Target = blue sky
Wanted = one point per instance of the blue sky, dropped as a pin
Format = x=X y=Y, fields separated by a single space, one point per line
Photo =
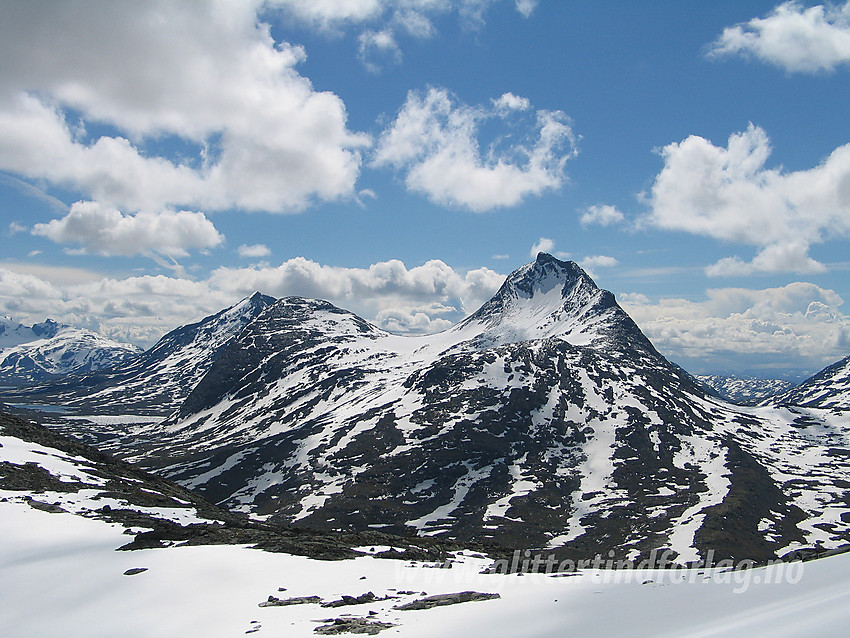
x=158 y=161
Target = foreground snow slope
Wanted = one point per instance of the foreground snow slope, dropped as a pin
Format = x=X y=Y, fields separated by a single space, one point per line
x=62 y=577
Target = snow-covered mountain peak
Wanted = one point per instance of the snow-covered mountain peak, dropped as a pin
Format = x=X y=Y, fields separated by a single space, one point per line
x=538 y=280
x=13 y=333
x=547 y=271
x=317 y=315
x=250 y=303
x=158 y=380
x=549 y=298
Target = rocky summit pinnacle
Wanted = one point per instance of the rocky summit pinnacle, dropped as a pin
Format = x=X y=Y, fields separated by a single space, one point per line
x=539 y=279
x=554 y=298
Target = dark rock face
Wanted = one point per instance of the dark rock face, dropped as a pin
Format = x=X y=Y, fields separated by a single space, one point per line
x=274 y=601
x=46 y=329
x=280 y=335
x=133 y=571
x=363 y=626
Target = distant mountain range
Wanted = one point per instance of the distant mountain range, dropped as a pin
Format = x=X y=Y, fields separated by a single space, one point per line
x=744 y=390
x=30 y=354
x=545 y=419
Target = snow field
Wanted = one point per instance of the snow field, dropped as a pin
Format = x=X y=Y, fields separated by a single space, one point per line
x=62 y=577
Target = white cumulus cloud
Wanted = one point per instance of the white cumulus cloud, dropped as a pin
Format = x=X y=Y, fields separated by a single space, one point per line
x=255 y=250
x=592 y=263
x=526 y=7
x=434 y=142
x=508 y=102
x=730 y=194
x=377 y=48
x=331 y=13
x=547 y=245
x=375 y=292
x=257 y=135
x=334 y=14
x=601 y=214
x=598 y=261
x=107 y=231
x=793 y=37
x=542 y=245
x=381 y=22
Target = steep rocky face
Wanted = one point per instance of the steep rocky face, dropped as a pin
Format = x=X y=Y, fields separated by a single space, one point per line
x=156 y=381
x=544 y=419
x=828 y=389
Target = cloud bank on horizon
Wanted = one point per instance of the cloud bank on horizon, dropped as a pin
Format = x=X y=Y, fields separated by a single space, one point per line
x=158 y=147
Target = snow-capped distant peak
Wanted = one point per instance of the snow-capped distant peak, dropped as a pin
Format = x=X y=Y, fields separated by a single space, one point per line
x=13 y=333
x=51 y=349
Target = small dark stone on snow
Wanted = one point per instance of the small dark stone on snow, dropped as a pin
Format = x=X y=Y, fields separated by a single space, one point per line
x=135 y=570
x=51 y=508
